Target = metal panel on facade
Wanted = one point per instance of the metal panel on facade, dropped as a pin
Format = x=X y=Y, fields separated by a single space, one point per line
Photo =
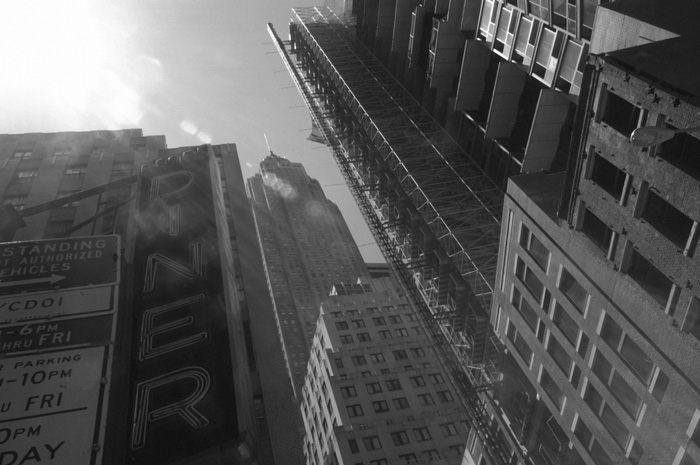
x=472 y=76
x=550 y=116
x=503 y=113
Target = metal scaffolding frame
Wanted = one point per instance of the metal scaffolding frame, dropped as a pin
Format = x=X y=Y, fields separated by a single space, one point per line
x=434 y=213
x=460 y=203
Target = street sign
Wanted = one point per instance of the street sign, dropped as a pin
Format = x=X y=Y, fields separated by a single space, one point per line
x=49 y=406
x=52 y=304
x=56 y=264
x=55 y=334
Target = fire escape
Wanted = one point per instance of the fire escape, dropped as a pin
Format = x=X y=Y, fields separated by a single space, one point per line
x=433 y=212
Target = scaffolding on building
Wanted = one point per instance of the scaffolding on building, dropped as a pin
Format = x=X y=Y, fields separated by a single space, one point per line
x=433 y=211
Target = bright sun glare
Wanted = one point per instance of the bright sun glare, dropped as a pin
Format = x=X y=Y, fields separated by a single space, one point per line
x=62 y=57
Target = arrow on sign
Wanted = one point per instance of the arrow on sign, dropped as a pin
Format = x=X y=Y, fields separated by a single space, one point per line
x=54 y=278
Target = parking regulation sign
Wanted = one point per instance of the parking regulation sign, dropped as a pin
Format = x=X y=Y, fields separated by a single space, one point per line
x=57 y=264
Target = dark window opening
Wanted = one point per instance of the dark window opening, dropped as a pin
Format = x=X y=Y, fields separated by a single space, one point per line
x=667 y=219
x=608 y=176
x=596 y=230
x=620 y=114
x=653 y=281
x=683 y=151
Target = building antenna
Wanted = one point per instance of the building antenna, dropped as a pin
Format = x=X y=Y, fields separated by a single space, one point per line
x=268 y=144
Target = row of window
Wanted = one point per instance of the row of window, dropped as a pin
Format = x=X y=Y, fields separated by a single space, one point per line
x=400 y=403
x=392 y=385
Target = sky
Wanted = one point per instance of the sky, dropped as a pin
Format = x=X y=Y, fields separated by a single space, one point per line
x=196 y=71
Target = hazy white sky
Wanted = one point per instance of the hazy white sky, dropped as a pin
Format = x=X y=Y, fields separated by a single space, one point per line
x=197 y=71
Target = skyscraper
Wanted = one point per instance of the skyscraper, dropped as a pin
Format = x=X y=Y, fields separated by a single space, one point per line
x=307 y=247
x=375 y=388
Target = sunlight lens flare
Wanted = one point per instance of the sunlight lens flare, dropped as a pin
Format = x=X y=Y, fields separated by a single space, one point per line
x=65 y=59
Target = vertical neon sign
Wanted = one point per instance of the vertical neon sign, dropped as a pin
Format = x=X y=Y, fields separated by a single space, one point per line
x=182 y=390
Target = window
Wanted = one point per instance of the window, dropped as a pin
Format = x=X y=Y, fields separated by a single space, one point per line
x=573 y=290
x=417 y=352
x=620 y=114
x=565 y=323
x=431 y=455
x=346 y=339
x=16 y=201
x=380 y=406
x=385 y=334
x=448 y=429
x=640 y=363
x=400 y=403
x=559 y=354
x=58 y=228
x=355 y=410
x=528 y=278
x=535 y=247
x=401 y=332
x=62 y=153
x=525 y=309
x=445 y=396
x=394 y=319
x=400 y=438
x=520 y=344
x=341 y=325
x=667 y=219
x=121 y=169
x=25 y=176
x=400 y=354
x=372 y=443
x=359 y=360
x=416 y=330
x=378 y=462
x=76 y=170
x=682 y=151
x=339 y=363
x=417 y=381
x=608 y=176
x=358 y=323
x=436 y=378
x=610 y=420
x=408 y=458
x=552 y=389
x=393 y=385
x=363 y=337
x=623 y=392
x=539 y=8
x=22 y=154
x=649 y=278
x=374 y=388
x=421 y=434
x=376 y=358
x=583 y=433
x=348 y=391
x=691 y=324
x=597 y=231
x=426 y=399
x=379 y=321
